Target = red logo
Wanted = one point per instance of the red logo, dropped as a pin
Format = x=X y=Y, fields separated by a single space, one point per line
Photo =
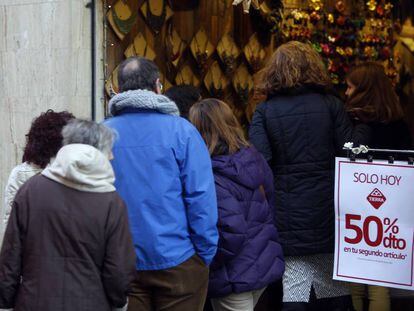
x=376 y=198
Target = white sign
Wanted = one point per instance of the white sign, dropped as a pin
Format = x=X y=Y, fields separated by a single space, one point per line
x=374 y=227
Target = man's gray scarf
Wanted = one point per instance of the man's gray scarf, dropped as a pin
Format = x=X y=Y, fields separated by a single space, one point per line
x=142 y=99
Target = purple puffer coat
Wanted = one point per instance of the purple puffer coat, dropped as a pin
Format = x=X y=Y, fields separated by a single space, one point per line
x=249 y=255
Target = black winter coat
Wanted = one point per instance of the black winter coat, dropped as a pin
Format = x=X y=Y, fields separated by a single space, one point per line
x=300 y=134
x=393 y=135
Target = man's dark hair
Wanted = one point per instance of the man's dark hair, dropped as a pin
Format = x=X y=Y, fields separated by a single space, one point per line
x=137 y=73
x=184 y=96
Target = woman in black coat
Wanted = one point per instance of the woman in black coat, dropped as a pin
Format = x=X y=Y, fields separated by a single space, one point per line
x=373 y=101
x=300 y=129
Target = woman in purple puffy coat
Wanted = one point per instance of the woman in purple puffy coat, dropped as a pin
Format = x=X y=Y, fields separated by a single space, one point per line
x=249 y=256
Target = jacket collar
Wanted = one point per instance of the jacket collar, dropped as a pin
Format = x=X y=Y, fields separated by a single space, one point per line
x=304 y=89
x=142 y=100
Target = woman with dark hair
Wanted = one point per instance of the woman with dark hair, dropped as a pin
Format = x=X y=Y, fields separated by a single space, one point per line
x=184 y=96
x=249 y=256
x=42 y=143
x=299 y=129
x=372 y=100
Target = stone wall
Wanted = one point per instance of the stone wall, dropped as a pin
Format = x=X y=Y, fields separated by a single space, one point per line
x=45 y=63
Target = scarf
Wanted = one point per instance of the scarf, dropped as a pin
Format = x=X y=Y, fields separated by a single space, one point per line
x=142 y=99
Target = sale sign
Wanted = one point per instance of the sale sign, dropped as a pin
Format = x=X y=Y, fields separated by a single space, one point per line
x=374 y=228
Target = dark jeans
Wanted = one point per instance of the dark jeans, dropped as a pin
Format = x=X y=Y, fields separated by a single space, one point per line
x=181 y=288
x=342 y=303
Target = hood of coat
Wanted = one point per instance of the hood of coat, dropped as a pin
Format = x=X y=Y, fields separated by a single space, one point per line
x=82 y=167
x=243 y=167
x=144 y=100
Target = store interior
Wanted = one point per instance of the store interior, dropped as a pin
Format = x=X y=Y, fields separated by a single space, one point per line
x=221 y=46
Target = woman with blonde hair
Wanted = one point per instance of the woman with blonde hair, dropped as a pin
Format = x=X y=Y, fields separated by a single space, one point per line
x=249 y=256
x=300 y=129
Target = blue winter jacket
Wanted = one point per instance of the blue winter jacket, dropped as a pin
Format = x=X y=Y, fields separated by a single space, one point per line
x=163 y=172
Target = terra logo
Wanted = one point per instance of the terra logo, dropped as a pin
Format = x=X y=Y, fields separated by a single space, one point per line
x=376 y=198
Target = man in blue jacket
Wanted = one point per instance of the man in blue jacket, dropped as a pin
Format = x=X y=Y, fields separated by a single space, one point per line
x=163 y=172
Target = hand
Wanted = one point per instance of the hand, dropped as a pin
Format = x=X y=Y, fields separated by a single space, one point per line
x=124 y=308
x=246 y=4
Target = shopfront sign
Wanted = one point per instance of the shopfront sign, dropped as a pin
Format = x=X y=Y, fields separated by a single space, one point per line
x=374 y=227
